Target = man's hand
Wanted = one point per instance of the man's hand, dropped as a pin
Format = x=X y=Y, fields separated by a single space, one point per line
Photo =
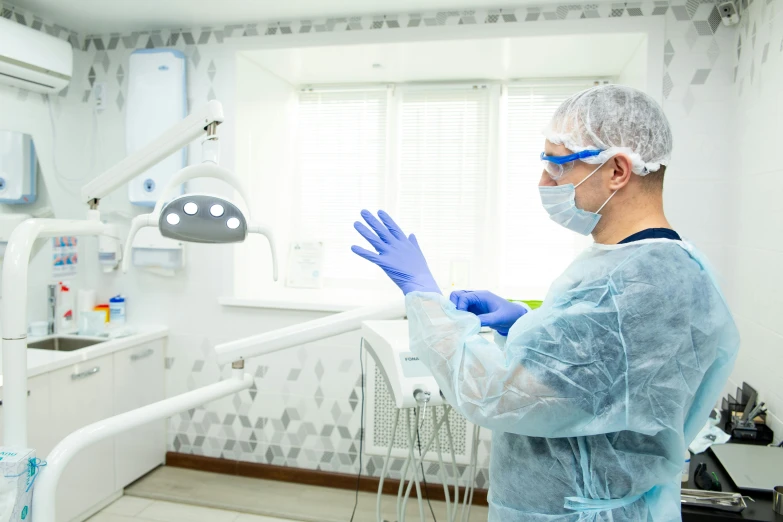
x=398 y=255
x=494 y=311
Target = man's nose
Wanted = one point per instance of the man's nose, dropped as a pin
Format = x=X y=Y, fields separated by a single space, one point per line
x=546 y=181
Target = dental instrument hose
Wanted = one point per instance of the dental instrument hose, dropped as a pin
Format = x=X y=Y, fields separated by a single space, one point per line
x=423 y=397
x=361 y=435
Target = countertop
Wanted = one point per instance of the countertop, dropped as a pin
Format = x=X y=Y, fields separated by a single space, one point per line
x=42 y=361
x=758 y=511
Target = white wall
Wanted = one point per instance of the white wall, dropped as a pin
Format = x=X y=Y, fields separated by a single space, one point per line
x=754 y=233
x=635 y=71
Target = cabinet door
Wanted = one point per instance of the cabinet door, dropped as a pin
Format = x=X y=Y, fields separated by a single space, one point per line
x=39 y=429
x=81 y=395
x=139 y=381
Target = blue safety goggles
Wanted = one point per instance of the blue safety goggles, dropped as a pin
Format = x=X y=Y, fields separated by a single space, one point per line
x=559 y=166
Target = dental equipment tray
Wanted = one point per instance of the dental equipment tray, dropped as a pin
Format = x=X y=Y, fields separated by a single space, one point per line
x=731 y=502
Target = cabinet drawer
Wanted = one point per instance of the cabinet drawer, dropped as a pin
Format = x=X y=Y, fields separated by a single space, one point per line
x=39 y=429
x=80 y=396
x=139 y=381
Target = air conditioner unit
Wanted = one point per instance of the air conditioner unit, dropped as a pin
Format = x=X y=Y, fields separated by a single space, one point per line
x=33 y=60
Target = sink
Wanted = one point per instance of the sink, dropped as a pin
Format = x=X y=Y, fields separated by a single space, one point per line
x=63 y=344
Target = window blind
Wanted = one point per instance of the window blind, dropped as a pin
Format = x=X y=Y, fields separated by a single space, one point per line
x=535 y=250
x=442 y=173
x=341 y=156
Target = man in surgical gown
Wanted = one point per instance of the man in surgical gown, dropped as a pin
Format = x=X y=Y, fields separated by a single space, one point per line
x=593 y=398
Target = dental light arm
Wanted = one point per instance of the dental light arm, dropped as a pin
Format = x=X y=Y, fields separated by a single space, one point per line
x=255 y=228
x=200 y=121
x=299 y=334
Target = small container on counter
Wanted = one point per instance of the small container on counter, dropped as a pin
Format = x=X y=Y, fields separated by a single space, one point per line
x=103 y=308
x=117 y=310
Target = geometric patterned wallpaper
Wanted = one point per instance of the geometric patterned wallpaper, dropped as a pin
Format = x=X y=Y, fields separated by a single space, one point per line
x=759 y=35
x=314 y=422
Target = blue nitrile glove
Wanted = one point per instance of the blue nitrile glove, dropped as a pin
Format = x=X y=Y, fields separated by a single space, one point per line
x=398 y=255
x=494 y=311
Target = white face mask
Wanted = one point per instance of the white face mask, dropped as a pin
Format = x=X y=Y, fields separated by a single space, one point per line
x=560 y=203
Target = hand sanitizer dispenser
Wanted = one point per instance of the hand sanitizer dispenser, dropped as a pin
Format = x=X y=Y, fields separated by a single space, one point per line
x=18 y=168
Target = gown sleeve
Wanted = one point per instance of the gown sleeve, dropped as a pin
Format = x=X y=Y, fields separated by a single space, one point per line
x=549 y=379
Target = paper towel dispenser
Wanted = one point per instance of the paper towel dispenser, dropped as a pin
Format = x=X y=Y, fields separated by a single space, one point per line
x=18 y=168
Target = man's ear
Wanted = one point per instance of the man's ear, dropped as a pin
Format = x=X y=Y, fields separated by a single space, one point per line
x=622 y=169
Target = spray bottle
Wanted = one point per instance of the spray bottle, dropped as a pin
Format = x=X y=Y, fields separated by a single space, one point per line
x=66 y=312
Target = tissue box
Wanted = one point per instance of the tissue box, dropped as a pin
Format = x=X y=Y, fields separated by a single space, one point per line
x=15 y=474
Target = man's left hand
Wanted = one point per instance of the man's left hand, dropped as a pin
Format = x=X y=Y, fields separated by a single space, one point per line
x=397 y=254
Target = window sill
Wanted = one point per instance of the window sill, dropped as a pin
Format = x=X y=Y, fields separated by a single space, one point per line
x=311 y=300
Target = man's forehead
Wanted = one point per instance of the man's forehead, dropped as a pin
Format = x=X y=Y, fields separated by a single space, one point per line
x=555 y=150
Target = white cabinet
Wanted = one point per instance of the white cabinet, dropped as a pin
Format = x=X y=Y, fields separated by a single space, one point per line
x=39 y=431
x=62 y=401
x=139 y=381
x=81 y=395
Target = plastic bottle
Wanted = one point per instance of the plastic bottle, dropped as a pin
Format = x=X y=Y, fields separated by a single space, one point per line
x=117 y=310
x=66 y=314
x=686 y=467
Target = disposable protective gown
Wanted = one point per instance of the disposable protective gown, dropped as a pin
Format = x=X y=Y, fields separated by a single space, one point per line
x=593 y=398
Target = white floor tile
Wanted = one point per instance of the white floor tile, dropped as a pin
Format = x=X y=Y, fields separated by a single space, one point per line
x=128 y=506
x=170 y=512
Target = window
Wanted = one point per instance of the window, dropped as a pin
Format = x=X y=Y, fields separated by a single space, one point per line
x=443 y=165
x=456 y=164
x=341 y=162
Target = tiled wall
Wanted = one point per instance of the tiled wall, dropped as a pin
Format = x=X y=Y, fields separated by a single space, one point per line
x=302 y=398
x=755 y=250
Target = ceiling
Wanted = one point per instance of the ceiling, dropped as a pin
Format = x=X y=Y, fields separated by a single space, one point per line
x=486 y=59
x=103 y=16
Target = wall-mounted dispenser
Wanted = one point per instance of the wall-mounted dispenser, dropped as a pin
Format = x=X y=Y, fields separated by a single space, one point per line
x=157 y=100
x=156 y=253
x=18 y=168
x=110 y=249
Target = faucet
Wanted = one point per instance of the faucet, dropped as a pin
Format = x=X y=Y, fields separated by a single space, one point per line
x=52 y=313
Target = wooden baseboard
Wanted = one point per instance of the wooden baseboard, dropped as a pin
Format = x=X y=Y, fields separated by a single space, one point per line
x=305 y=476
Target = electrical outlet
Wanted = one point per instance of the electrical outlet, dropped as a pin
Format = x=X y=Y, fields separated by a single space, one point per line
x=100 y=93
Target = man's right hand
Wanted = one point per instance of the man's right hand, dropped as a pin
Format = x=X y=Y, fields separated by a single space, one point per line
x=493 y=311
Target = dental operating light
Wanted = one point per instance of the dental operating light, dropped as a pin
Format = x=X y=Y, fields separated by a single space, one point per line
x=197 y=224
x=202 y=218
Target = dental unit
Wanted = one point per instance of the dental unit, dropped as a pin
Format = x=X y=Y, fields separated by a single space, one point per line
x=199 y=218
